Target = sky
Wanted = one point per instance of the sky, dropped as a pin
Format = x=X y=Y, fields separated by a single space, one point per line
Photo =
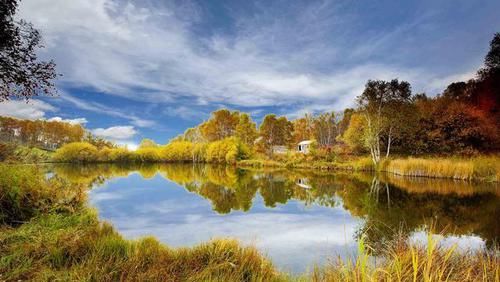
x=152 y=68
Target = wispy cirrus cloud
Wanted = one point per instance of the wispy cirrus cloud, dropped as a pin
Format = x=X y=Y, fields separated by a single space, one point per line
x=115 y=132
x=119 y=48
x=102 y=109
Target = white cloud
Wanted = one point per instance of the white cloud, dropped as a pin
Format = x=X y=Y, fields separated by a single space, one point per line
x=115 y=132
x=34 y=109
x=440 y=83
x=70 y=121
x=269 y=60
x=118 y=48
x=128 y=144
x=102 y=109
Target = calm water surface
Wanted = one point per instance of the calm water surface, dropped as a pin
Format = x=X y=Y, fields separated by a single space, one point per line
x=297 y=218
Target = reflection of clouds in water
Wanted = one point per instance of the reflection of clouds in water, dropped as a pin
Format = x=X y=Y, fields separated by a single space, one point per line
x=463 y=242
x=292 y=236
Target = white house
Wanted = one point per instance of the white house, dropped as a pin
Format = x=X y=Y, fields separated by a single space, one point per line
x=304 y=146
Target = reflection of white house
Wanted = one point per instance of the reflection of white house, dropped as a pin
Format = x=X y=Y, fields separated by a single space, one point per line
x=303 y=146
x=304 y=183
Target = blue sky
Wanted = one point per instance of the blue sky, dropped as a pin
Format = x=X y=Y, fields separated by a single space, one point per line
x=136 y=69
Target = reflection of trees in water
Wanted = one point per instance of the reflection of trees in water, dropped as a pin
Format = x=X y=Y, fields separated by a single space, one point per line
x=390 y=210
x=388 y=204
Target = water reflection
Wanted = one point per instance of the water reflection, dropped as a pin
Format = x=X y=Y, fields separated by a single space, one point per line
x=296 y=217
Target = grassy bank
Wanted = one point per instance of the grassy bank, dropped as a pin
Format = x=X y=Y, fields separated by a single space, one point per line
x=47 y=233
x=475 y=168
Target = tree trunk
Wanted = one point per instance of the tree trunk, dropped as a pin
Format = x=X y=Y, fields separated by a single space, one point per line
x=389 y=140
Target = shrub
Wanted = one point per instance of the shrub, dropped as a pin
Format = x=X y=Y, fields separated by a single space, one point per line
x=80 y=152
x=228 y=150
x=177 y=151
x=119 y=155
x=148 y=154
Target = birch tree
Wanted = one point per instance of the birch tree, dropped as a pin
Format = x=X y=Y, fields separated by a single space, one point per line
x=382 y=104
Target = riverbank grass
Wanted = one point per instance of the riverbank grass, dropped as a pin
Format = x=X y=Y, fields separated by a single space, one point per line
x=78 y=247
x=402 y=261
x=477 y=168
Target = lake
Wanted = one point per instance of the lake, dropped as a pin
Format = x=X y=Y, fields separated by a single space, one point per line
x=297 y=218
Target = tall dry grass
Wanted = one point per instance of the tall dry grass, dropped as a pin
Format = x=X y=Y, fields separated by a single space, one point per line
x=478 y=168
x=401 y=261
x=78 y=247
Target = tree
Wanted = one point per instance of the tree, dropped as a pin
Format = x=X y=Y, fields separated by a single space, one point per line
x=492 y=60
x=355 y=133
x=275 y=131
x=325 y=129
x=246 y=129
x=222 y=124
x=303 y=128
x=382 y=104
x=147 y=143
x=22 y=75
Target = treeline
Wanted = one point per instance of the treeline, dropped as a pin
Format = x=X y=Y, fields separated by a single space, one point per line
x=463 y=119
x=39 y=133
x=228 y=150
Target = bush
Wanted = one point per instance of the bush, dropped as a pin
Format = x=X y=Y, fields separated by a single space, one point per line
x=181 y=151
x=80 y=152
x=148 y=154
x=229 y=150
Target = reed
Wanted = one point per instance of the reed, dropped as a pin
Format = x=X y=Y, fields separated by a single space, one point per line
x=78 y=247
x=479 y=168
x=402 y=261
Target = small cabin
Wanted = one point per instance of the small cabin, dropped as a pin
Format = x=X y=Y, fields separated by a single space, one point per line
x=279 y=149
x=304 y=146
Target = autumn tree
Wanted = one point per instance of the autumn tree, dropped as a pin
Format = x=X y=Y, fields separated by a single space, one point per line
x=22 y=75
x=325 y=129
x=222 y=124
x=147 y=143
x=303 y=128
x=382 y=104
x=354 y=134
x=275 y=131
x=246 y=130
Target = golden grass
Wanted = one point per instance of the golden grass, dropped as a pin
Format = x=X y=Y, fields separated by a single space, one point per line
x=480 y=168
x=405 y=262
x=79 y=248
